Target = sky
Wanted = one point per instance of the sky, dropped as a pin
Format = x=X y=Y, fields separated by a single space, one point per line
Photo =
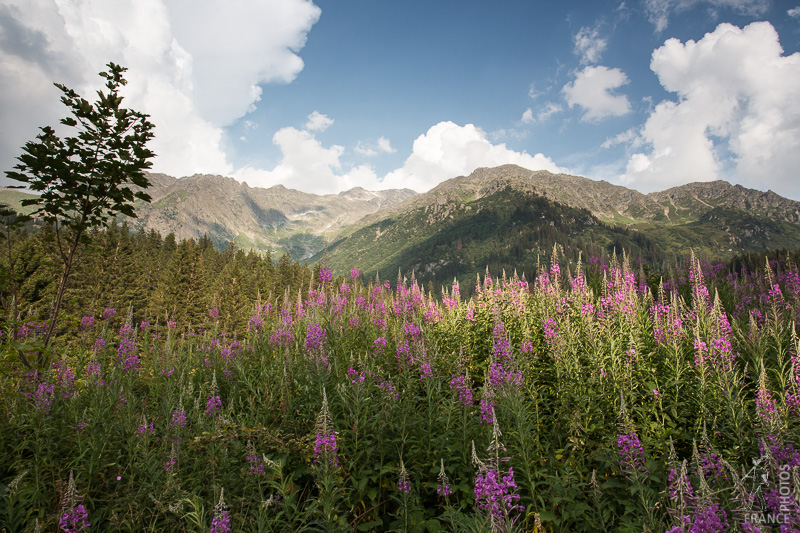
x=328 y=95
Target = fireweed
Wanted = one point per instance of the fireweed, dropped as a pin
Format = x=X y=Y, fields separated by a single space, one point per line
x=255 y=461
x=127 y=353
x=679 y=493
x=325 y=447
x=178 y=418
x=495 y=488
x=144 y=428
x=708 y=515
x=221 y=521
x=327 y=467
x=792 y=395
x=403 y=480
x=632 y=463
x=87 y=323
x=700 y=335
x=315 y=345
x=172 y=460
x=631 y=453
x=487 y=407
x=462 y=385
x=443 y=487
x=214 y=402
x=74 y=516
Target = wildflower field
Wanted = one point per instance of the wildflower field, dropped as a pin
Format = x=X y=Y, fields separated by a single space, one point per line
x=591 y=399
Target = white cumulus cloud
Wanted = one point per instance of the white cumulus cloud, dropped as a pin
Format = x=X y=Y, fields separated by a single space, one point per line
x=593 y=89
x=628 y=136
x=736 y=91
x=237 y=44
x=549 y=109
x=309 y=166
x=445 y=151
x=318 y=122
x=194 y=66
x=448 y=150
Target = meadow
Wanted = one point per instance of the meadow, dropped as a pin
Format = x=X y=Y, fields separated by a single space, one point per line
x=591 y=398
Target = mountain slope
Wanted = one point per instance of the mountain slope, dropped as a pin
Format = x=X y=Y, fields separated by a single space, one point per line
x=510 y=217
x=693 y=200
x=277 y=219
x=402 y=229
x=502 y=229
x=610 y=203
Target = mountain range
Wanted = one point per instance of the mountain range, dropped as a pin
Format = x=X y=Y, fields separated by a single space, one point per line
x=278 y=219
x=502 y=217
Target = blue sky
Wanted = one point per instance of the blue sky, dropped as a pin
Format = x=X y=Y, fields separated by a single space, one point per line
x=328 y=95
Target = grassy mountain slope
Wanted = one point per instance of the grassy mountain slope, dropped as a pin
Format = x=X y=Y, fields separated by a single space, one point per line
x=502 y=230
x=612 y=203
x=14 y=197
x=509 y=217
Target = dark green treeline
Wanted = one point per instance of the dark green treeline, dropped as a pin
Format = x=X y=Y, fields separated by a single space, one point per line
x=158 y=278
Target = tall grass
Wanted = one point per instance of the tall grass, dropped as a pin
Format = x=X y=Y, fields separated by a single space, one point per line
x=588 y=400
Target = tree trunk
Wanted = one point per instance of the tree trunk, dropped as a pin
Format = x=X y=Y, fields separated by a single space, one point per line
x=60 y=294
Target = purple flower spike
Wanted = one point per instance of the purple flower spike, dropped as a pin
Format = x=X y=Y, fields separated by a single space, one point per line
x=256 y=462
x=325 y=274
x=221 y=523
x=403 y=481
x=178 y=418
x=74 y=520
x=487 y=409
x=74 y=516
x=711 y=519
x=87 y=322
x=494 y=492
x=631 y=453
x=443 y=488
x=464 y=387
x=213 y=406
x=325 y=447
